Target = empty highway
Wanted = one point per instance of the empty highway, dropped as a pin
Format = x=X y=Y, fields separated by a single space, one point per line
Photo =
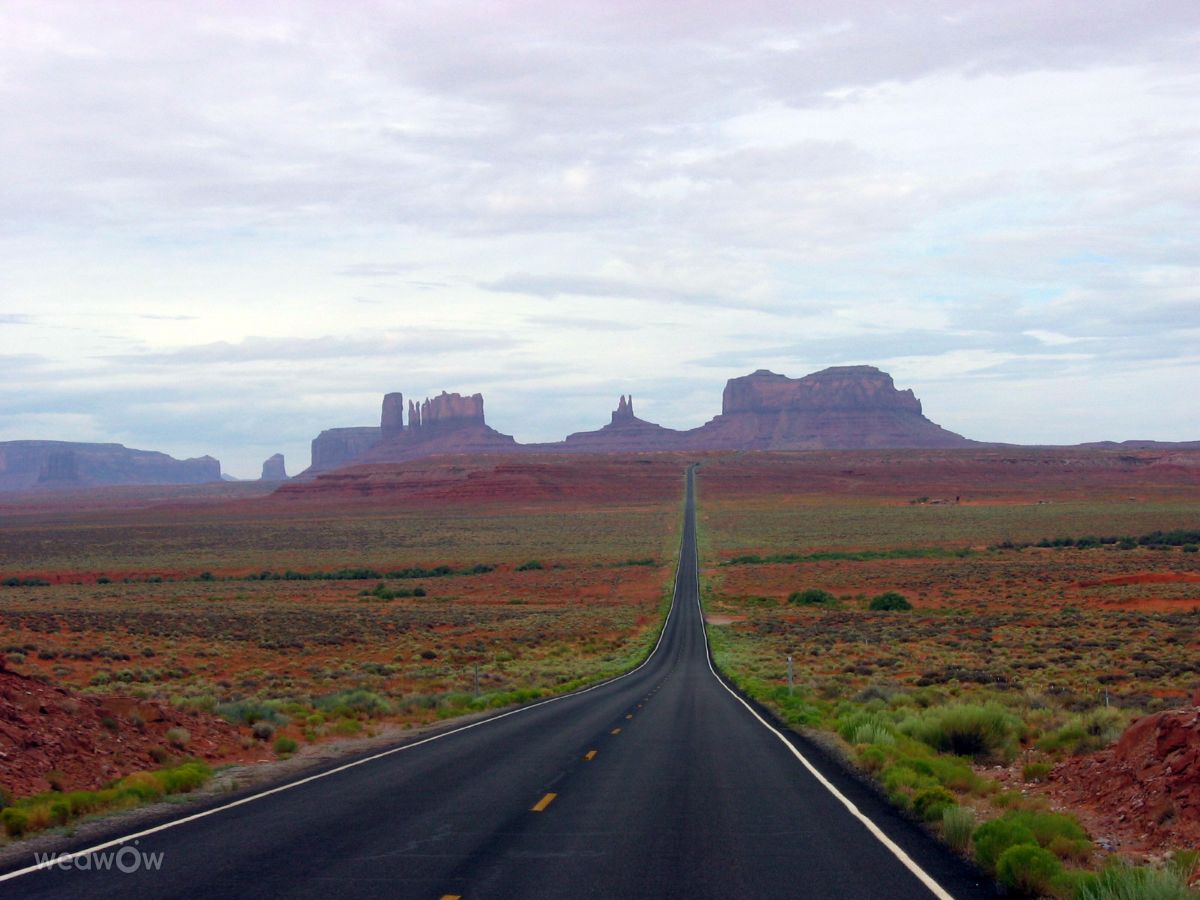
x=661 y=783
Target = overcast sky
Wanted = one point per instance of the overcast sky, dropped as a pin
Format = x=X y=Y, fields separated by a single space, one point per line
x=225 y=227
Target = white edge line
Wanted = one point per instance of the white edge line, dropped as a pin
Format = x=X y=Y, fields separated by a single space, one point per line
x=909 y=863
x=53 y=860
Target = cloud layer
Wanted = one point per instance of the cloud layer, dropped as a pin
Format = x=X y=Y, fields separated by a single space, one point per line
x=225 y=227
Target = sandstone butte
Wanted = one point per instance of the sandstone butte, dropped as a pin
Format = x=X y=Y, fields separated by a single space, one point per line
x=273 y=469
x=845 y=407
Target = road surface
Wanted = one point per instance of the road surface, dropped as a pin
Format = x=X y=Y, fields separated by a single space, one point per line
x=661 y=783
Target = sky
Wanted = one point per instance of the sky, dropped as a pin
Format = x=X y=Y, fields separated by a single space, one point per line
x=225 y=227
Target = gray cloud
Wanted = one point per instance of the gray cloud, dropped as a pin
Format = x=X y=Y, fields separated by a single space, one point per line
x=544 y=199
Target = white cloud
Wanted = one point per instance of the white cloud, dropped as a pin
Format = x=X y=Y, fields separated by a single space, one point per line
x=284 y=208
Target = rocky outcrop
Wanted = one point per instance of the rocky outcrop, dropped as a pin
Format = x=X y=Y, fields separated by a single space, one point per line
x=51 y=737
x=391 y=421
x=450 y=409
x=845 y=407
x=857 y=388
x=624 y=433
x=31 y=464
x=274 y=470
x=1149 y=780
x=447 y=423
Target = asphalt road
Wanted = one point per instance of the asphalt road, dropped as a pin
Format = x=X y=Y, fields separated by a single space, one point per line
x=661 y=783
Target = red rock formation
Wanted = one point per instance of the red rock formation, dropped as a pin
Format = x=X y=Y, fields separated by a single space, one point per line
x=623 y=434
x=851 y=407
x=624 y=410
x=855 y=388
x=336 y=447
x=450 y=408
x=92 y=740
x=274 y=470
x=1148 y=783
x=391 y=421
x=27 y=464
x=846 y=407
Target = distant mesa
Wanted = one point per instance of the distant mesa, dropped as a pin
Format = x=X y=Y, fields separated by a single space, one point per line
x=273 y=469
x=841 y=408
x=447 y=423
x=34 y=464
x=845 y=407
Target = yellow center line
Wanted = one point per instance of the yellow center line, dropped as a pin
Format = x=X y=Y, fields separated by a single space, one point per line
x=590 y=755
x=451 y=896
x=543 y=803
x=630 y=716
x=616 y=731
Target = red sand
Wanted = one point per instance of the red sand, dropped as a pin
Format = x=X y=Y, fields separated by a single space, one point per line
x=93 y=740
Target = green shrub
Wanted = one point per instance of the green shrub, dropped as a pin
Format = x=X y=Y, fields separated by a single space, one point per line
x=1057 y=833
x=891 y=601
x=811 y=597
x=178 y=737
x=1028 y=869
x=957 y=824
x=247 y=712
x=930 y=802
x=348 y=703
x=530 y=566
x=966 y=729
x=994 y=837
x=262 y=731
x=16 y=821
x=1036 y=771
x=1050 y=828
x=1123 y=882
x=1092 y=730
x=183 y=778
x=285 y=746
x=874 y=733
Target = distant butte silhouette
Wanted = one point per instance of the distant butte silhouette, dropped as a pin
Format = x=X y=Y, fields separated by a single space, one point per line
x=845 y=407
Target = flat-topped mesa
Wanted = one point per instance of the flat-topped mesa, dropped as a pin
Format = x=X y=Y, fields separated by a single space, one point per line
x=33 y=464
x=845 y=407
x=840 y=387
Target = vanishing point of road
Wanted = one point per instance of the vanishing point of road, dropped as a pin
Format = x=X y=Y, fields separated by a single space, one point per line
x=660 y=783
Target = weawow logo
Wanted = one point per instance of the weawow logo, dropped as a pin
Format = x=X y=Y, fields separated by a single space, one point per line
x=126 y=860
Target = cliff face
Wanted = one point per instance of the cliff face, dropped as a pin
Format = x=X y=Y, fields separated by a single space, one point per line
x=28 y=464
x=846 y=407
x=336 y=447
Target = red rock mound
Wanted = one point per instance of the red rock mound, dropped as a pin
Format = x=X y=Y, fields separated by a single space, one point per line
x=90 y=741
x=1147 y=786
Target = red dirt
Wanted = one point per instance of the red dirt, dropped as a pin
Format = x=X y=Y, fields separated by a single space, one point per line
x=93 y=740
x=1146 y=578
x=976 y=476
x=450 y=479
x=1146 y=788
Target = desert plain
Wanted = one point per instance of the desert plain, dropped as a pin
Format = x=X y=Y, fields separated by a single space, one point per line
x=1049 y=599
